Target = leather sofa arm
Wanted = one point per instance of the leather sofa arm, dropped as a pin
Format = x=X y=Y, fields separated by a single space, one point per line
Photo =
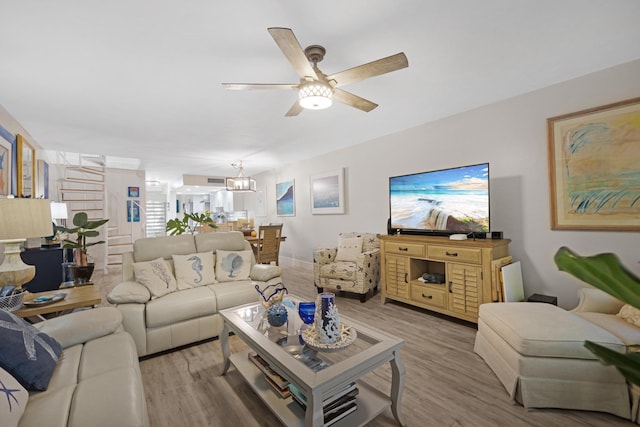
x=264 y=272
x=597 y=301
x=129 y=292
x=82 y=326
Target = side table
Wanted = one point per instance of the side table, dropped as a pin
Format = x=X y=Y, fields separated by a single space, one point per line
x=84 y=296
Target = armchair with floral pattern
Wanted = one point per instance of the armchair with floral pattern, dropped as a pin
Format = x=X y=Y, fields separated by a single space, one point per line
x=352 y=266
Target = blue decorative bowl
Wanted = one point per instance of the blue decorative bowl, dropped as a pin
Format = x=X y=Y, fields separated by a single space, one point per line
x=277 y=315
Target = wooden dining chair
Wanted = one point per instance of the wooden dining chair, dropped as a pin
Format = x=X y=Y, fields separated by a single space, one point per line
x=268 y=248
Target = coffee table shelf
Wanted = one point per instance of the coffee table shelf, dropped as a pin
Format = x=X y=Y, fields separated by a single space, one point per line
x=371 y=402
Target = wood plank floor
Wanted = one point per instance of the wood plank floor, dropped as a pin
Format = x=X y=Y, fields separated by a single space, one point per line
x=447 y=384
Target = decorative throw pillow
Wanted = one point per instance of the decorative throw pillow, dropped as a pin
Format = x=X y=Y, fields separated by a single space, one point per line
x=233 y=265
x=349 y=248
x=156 y=276
x=13 y=399
x=194 y=270
x=28 y=355
x=630 y=314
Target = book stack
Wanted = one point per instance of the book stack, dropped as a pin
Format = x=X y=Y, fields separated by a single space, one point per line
x=335 y=407
x=275 y=380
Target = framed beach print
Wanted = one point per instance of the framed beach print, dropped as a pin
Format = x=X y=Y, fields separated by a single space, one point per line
x=594 y=168
x=42 y=189
x=327 y=192
x=285 y=198
x=5 y=167
x=26 y=156
x=133 y=210
x=133 y=191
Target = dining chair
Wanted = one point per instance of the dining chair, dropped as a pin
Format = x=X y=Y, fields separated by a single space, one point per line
x=268 y=246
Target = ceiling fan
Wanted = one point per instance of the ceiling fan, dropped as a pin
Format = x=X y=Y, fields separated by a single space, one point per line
x=316 y=89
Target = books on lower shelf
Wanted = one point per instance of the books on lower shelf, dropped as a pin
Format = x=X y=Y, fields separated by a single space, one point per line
x=335 y=407
x=275 y=380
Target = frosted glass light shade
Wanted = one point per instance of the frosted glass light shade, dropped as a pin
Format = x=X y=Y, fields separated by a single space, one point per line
x=315 y=95
x=59 y=210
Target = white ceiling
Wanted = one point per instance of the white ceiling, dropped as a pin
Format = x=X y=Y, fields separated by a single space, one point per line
x=142 y=79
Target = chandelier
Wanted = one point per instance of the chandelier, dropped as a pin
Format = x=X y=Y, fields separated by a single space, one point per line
x=240 y=183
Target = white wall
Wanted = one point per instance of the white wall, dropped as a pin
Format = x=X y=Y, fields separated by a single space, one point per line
x=511 y=135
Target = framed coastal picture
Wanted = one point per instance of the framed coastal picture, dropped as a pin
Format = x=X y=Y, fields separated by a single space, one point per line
x=133 y=210
x=327 y=192
x=26 y=160
x=6 y=152
x=285 y=198
x=133 y=191
x=594 y=168
x=42 y=189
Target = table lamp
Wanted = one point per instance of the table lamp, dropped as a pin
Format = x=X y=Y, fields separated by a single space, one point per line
x=21 y=219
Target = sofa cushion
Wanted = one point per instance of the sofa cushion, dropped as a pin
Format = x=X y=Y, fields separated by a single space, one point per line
x=232 y=294
x=156 y=276
x=194 y=270
x=628 y=333
x=533 y=330
x=233 y=265
x=150 y=248
x=30 y=356
x=226 y=240
x=349 y=248
x=179 y=306
x=13 y=399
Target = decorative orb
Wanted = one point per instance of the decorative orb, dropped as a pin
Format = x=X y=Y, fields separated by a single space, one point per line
x=277 y=315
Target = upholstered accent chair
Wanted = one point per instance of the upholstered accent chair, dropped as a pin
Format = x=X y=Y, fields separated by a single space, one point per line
x=353 y=266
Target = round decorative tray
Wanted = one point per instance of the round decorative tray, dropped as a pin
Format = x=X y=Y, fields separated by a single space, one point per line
x=347 y=336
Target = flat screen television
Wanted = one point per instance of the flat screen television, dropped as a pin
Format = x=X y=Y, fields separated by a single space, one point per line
x=441 y=202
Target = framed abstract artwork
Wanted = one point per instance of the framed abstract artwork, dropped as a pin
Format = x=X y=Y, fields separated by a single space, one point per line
x=594 y=168
x=6 y=152
x=42 y=189
x=285 y=198
x=133 y=191
x=261 y=202
x=327 y=192
x=133 y=210
x=26 y=160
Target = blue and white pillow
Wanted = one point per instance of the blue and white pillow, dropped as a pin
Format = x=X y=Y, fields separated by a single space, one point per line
x=13 y=399
x=233 y=265
x=194 y=270
x=28 y=355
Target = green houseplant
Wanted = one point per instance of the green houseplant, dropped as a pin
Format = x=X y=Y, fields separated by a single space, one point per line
x=81 y=269
x=190 y=223
x=605 y=272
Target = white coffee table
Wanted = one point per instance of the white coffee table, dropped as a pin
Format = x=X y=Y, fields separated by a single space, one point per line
x=280 y=346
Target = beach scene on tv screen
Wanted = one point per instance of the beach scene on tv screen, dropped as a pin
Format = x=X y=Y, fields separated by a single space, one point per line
x=452 y=200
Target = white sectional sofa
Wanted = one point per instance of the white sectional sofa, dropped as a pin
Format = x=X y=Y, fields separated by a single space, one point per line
x=185 y=316
x=96 y=380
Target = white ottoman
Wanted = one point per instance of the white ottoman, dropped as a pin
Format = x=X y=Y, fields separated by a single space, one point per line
x=537 y=351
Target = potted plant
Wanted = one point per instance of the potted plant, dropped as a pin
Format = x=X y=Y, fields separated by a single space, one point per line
x=190 y=223
x=605 y=272
x=81 y=270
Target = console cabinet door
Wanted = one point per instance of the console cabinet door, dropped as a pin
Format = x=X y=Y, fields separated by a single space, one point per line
x=397 y=275
x=464 y=282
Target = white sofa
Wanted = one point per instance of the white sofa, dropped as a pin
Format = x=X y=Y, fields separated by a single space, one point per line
x=189 y=315
x=96 y=381
x=537 y=352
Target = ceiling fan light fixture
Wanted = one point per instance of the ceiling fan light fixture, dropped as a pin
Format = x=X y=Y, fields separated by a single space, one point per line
x=315 y=95
x=240 y=183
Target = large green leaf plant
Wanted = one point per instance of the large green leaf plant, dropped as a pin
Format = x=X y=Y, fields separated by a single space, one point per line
x=83 y=228
x=605 y=272
x=190 y=223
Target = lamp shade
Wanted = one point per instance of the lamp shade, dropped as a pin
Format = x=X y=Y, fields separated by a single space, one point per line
x=315 y=95
x=25 y=218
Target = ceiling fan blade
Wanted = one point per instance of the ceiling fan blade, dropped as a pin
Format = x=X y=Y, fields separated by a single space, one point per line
x=353 y=100
x=289 y=45
x=371 y=69
x=251 y=86
x=295 y=109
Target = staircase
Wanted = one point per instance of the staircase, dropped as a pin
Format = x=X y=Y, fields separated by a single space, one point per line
x=83 y=189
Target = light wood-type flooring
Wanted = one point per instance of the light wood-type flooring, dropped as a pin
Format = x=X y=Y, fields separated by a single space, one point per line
x=447 y=384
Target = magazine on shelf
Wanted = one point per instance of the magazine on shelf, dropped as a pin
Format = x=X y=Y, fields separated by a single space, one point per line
x=338 y=415
x=272 y=377
x=342 y=396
